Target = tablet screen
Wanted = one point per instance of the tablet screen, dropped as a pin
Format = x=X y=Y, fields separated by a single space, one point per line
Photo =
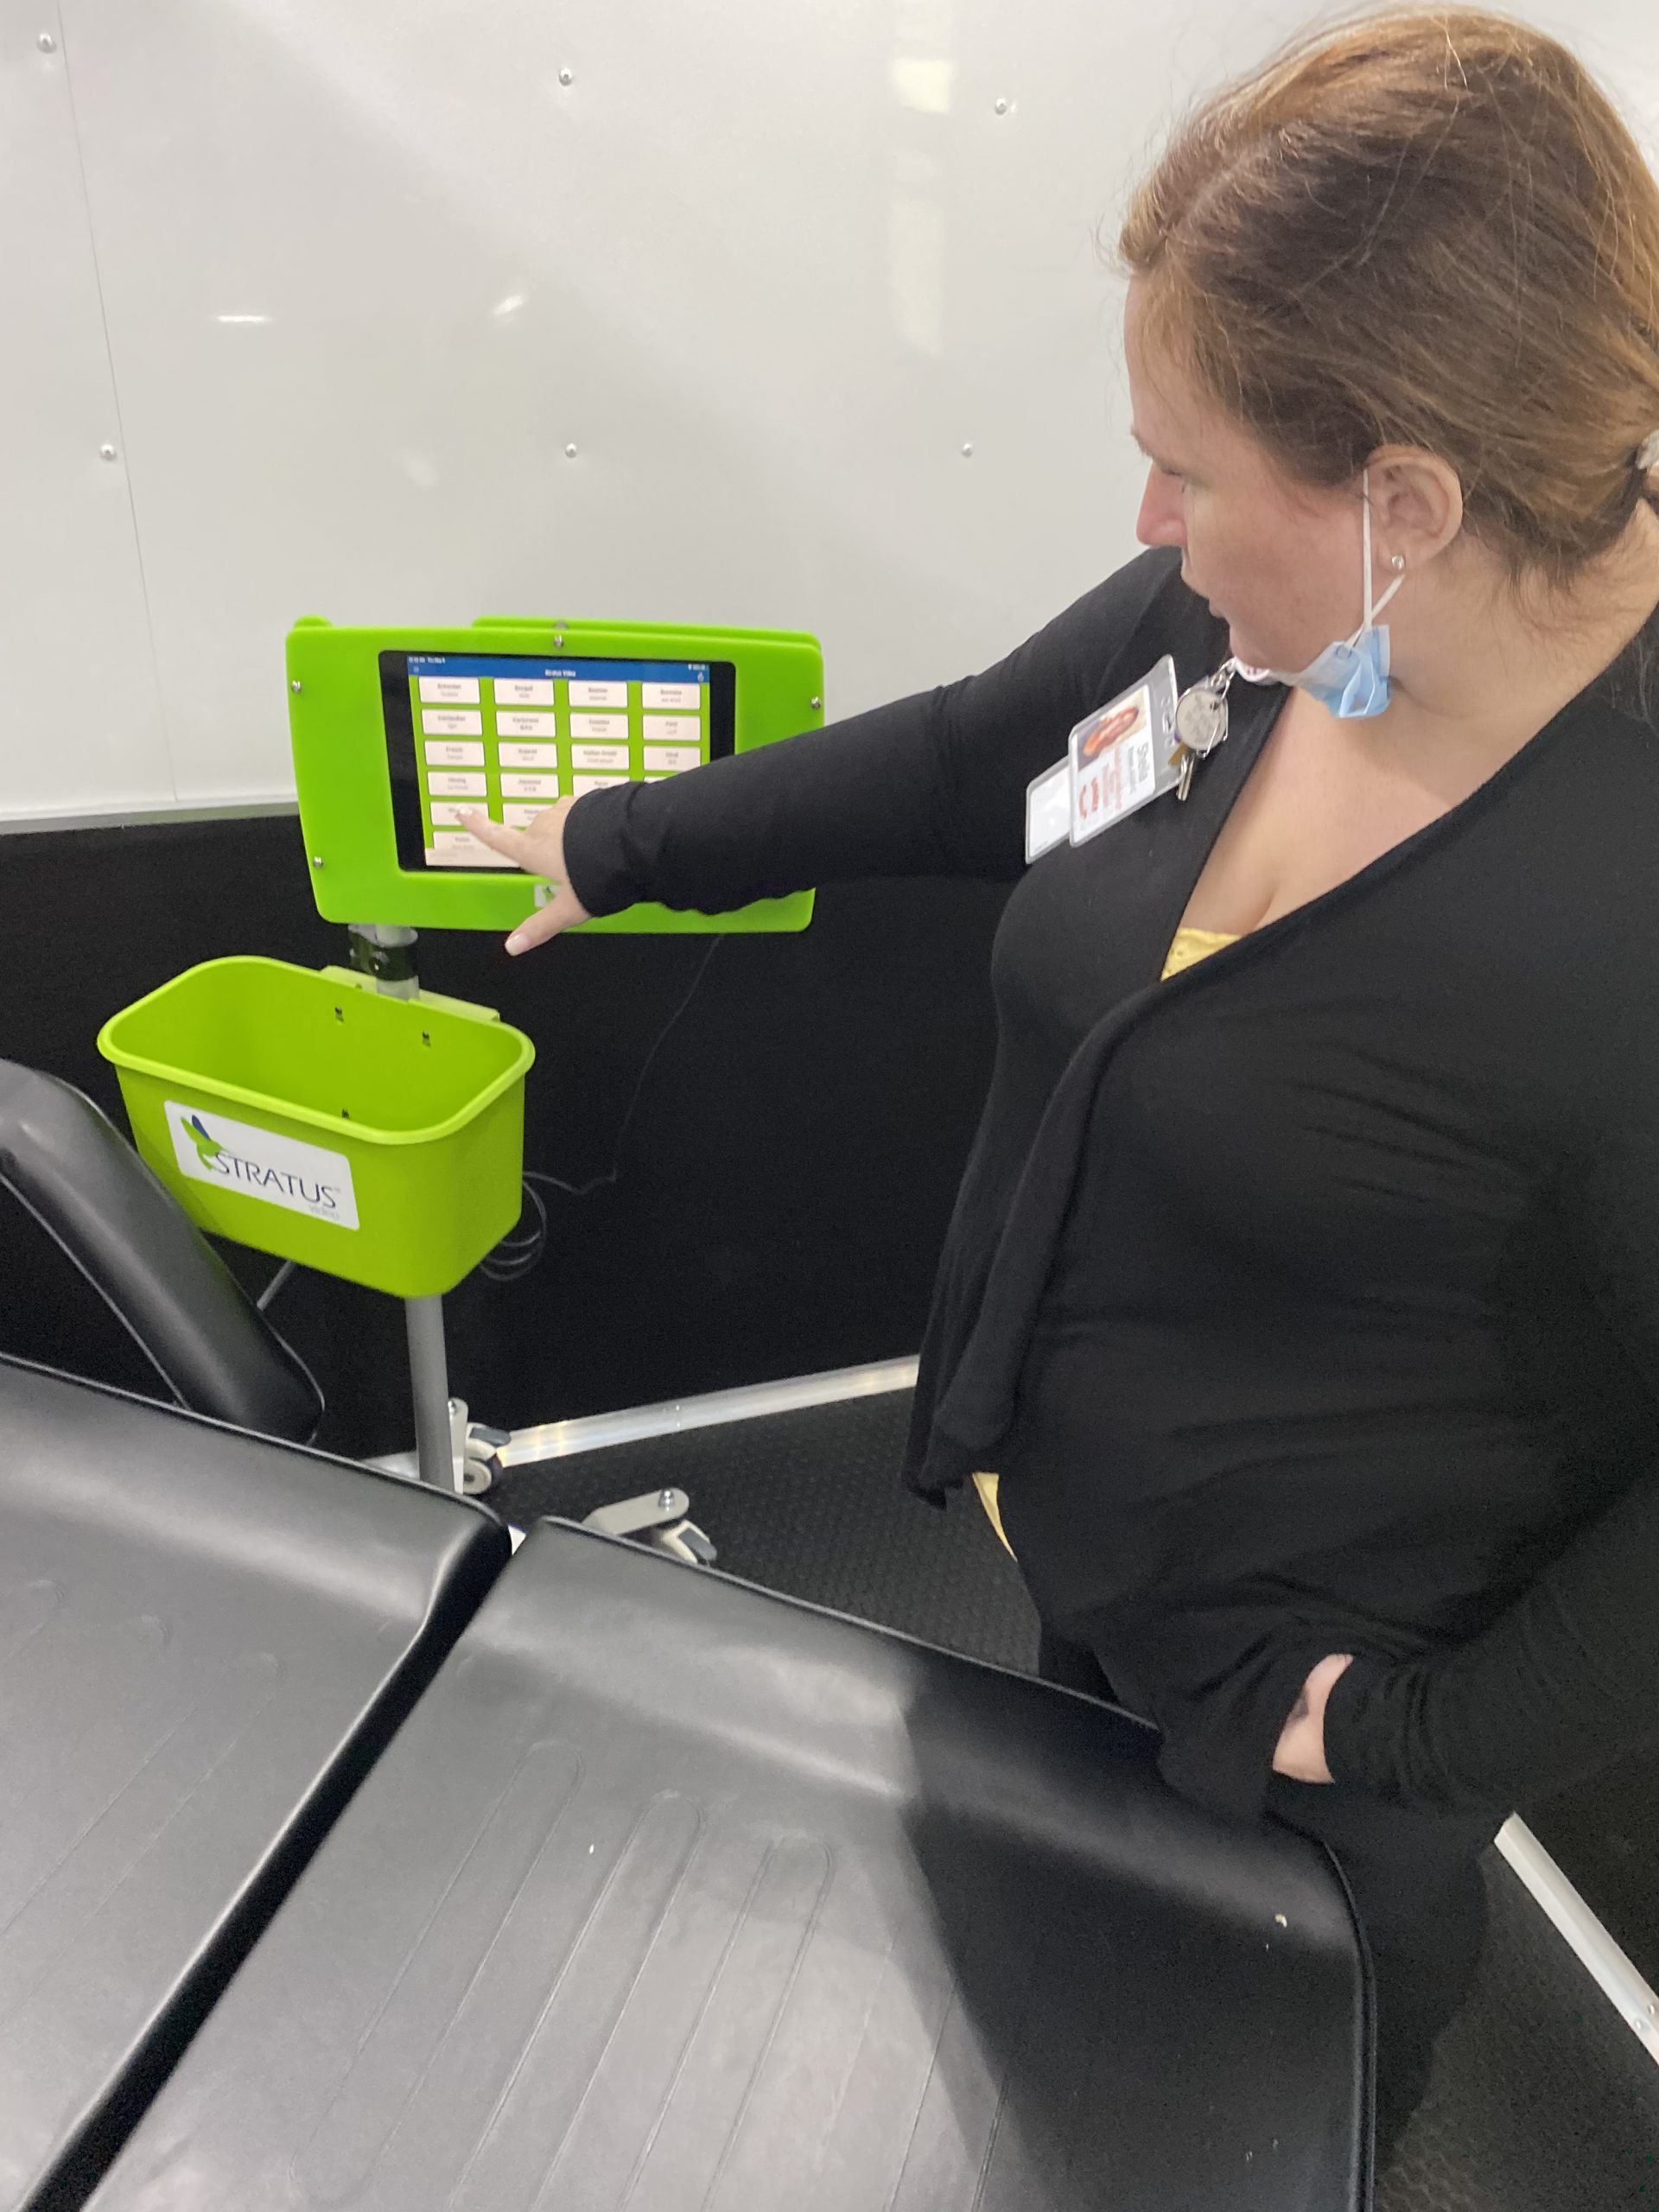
x=512 y=733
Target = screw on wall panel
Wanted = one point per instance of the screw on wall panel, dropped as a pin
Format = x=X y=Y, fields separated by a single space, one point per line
x=968 y=453
x=316 y=859
x=1001 y=107
x=817 y=702
x=294 y=686
x=558 y=637
x=665 y=1501
x=47 y=43
x=570 y=453
x=567 y=76
x=107 y=452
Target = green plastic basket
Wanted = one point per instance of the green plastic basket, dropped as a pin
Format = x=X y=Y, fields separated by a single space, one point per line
x=292 y=1110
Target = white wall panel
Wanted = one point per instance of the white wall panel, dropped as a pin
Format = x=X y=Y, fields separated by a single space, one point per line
x=370 y=268
x=82 y=721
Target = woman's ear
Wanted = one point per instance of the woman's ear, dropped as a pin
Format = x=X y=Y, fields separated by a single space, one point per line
x=1416 y=502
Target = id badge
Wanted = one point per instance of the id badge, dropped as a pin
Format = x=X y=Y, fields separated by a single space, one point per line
x=1116 y=760
x=1120 y=758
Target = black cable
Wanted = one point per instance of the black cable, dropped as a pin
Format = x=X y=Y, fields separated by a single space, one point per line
x=581 y=1191
x=515 y=1255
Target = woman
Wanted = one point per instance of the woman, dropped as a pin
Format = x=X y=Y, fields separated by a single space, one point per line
x=1303 y=1287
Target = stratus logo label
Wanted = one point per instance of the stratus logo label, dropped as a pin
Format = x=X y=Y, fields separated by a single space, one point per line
x=305 y=1178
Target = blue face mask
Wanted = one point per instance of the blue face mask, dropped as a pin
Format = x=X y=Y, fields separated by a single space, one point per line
x=1350 y=676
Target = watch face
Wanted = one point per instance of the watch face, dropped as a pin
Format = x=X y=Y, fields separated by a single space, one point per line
x=1201 y=719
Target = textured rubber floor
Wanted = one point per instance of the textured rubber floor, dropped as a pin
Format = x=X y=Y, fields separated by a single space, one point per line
x=1541 y=2100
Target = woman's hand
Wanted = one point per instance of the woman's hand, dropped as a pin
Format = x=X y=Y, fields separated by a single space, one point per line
x=538 y=850
x=1301 y=1750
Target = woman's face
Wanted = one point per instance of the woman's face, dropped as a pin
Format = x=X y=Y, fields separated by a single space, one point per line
x=1280 y=562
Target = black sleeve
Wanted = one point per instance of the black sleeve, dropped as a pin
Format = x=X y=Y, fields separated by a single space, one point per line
x=1566 y=1681
x=933 y=785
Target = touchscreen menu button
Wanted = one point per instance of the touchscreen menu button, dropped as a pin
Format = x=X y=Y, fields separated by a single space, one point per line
x=523 y=691
x=459 y=724
x=453 y=753
x=455 y=849
x=449 y=691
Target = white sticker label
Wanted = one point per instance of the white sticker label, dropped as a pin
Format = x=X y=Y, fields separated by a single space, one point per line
x=234 y=1156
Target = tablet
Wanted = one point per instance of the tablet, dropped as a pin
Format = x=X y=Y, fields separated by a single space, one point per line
x=512 y=733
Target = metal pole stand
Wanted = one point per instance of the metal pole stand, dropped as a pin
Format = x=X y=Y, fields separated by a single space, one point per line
x=429 y=1374
x=387 y=951
x=451 y=1451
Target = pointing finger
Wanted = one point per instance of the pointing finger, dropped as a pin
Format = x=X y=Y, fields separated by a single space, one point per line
x=511 y=844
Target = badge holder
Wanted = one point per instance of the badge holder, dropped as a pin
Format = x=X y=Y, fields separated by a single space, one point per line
x=1138 y=745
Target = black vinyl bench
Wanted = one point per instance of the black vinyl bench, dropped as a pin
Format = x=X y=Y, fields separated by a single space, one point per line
x=206 y=1640
x=675 y=1896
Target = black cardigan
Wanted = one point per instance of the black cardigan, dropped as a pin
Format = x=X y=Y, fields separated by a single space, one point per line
x=1309 y=1301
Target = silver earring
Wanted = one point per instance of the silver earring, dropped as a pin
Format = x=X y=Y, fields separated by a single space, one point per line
x=1398 y=562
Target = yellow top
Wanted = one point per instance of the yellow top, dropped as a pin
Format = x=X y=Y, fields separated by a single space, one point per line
x=1187 y=946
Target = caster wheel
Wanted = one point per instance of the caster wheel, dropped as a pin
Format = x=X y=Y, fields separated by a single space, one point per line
x=478 y=1472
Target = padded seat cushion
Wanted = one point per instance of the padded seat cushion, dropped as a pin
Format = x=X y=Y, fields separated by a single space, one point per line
x=204 y=1640
x=678 y=1896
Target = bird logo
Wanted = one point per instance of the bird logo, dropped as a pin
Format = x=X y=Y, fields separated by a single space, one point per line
x=207 y=1148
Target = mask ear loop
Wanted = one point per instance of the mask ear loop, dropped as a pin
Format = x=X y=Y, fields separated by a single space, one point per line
x=1371 y=611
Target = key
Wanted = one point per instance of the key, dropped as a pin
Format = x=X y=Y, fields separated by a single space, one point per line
x=1185 y=783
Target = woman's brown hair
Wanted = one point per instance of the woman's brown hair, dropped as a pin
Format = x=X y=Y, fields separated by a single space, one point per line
x=1427 y=227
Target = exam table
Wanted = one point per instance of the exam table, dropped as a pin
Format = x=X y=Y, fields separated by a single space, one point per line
x=348 y=1858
